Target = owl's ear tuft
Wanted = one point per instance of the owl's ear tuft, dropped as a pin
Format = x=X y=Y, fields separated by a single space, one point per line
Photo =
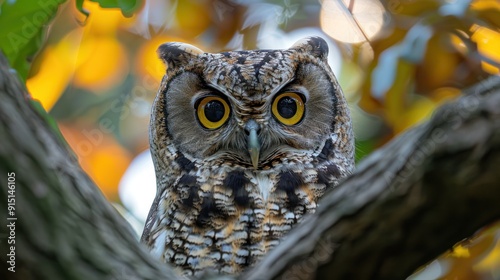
x=176 y=54
x=316 y=46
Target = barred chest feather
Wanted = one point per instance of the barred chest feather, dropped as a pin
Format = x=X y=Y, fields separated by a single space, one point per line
x=226 y=218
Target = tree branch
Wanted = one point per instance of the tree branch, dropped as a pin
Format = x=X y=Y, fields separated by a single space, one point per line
x=406 y=203
x=65 y=228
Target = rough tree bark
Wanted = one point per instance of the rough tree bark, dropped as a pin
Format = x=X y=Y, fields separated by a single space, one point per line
x=411 y=200
x=406 y=203
x=65 y=228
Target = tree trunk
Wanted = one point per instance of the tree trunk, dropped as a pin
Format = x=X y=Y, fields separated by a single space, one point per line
x=406 y=203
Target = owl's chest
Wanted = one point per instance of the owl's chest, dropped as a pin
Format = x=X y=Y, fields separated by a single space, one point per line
x=229 y=220
x=215 y=199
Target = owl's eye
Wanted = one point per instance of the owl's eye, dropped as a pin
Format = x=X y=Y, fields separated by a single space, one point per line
x=212 y=112
x=288 y=108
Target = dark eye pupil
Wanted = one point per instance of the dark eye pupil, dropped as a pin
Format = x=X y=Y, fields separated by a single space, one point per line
x=287 y=107
x=214 y=111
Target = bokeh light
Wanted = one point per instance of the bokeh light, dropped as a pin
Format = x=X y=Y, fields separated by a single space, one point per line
x=352 y=21
x=138 y=186
x=99 y=155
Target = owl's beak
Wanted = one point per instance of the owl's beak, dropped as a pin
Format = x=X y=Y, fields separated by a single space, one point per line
x=252 y=128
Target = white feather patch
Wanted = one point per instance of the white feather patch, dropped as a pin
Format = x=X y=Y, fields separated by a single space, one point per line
x=264 y=184
x=159 y=245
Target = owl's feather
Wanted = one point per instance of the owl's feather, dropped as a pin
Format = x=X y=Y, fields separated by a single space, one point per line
x=214 y=208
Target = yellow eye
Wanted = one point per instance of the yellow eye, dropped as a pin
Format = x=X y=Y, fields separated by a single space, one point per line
x=288 y=108
x=212 y=112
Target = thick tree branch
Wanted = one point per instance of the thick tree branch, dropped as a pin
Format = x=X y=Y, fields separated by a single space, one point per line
x=65 y=228
x=407 y=202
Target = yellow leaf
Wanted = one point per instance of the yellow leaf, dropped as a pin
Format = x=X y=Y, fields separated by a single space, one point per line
x=488 y=44
x=439 y=65
x=485 y=4
x=487 y=11
x=396 y=99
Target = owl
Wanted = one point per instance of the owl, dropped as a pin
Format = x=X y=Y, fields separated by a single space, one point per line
x=244 y=145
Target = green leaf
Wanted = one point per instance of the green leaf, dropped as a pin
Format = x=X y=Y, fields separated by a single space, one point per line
x=128 y=7
x=79 y=6
x=23 y=24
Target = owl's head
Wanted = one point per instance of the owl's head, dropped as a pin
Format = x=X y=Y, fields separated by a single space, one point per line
x=250 y=109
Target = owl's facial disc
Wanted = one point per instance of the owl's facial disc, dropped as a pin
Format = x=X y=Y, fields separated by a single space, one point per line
x=250 y=109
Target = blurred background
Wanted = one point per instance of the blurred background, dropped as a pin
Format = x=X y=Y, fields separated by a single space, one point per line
x=396 y=60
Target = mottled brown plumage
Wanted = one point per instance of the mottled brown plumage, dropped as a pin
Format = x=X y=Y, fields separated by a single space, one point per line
x=244 y=144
